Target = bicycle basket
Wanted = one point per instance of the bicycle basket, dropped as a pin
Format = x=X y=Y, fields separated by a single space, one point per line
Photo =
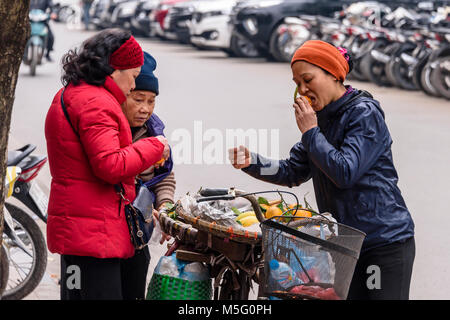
x=309 y=258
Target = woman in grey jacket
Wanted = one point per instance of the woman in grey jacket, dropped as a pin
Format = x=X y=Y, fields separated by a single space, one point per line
x=346 y=149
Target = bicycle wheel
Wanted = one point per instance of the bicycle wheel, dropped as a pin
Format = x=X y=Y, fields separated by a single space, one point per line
x=4 y=270
x=25 y=272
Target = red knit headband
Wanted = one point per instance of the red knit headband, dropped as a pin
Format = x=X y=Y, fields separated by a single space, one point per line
x=128 y=56
x=323 y=55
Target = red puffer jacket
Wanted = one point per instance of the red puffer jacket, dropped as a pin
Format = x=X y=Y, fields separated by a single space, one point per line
x=84 y=217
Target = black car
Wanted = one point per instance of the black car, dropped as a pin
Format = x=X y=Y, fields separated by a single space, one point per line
x=141 y=21
x=256 y=21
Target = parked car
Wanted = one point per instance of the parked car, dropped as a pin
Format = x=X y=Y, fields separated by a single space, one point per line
x=176 y=23
x=134 y=15
x=123 y=12
x=101 y=12
x=257 y=22
x=209 y=26
x=158 y=16
x=239 y=44
x=140 y=22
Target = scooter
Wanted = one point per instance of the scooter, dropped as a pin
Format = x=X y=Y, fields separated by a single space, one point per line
x=35 y=47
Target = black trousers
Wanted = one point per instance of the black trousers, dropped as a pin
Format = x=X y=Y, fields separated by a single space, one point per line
x=384 y=273
x=89 y=278
x=50 y=39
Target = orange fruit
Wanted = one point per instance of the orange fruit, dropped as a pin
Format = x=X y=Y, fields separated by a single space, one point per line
x=308 y=99
x=273 y=211
x=303 y=213
x=273 y=202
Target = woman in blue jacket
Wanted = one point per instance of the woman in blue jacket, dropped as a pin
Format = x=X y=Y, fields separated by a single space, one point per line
x=346 y=149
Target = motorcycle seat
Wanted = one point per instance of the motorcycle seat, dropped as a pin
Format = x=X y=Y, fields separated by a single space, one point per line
x=15 y=156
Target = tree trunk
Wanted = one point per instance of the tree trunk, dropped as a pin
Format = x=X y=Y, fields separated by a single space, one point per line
x=15 y=30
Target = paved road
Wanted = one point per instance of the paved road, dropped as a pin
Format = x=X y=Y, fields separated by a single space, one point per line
x=204 y=93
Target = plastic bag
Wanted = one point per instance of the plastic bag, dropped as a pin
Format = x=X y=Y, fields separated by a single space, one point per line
x=321 y=230
x=169 y=266
x=191 y=271
x=318 y=266
x=214 y=211
x=195 y=271
x=157 y=233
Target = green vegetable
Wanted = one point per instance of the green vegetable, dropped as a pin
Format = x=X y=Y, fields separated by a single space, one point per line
x=236 y=211
x=262 y=200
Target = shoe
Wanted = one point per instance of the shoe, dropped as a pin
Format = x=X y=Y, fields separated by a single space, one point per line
x=49 y=59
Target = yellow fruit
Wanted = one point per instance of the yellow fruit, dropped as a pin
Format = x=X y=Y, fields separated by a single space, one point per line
x=297 y=213
x=245 y=214
x=248 y=221
x=264 y=206
x=303 y=213
x=273 y=211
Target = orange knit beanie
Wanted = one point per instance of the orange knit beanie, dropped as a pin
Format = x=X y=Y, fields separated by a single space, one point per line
x=323 y=55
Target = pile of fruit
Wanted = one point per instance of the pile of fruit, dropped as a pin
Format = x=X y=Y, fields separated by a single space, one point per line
x=275 y=208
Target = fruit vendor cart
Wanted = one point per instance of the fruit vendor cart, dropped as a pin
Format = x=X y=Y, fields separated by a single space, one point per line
x=318 y=255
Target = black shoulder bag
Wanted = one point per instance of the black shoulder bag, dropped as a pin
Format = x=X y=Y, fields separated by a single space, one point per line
x=139 y=213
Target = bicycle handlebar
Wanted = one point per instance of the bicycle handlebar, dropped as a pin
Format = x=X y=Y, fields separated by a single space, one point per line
x=231 y=194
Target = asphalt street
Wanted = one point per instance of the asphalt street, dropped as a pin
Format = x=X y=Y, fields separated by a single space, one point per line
x=204 y=95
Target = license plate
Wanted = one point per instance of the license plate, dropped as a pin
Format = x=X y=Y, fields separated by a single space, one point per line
x=39 y=198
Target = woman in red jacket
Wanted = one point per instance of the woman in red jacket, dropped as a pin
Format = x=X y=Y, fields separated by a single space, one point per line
x=90 y=150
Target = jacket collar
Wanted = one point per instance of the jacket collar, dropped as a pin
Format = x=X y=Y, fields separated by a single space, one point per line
x=114 y=89
x=155 y=127
x=338 y=106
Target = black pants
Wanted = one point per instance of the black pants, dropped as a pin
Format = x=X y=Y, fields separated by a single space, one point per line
x=89 y=278
x=50 y=39
x=384 y=273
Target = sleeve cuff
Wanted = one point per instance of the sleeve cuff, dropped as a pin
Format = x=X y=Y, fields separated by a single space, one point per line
x=308 y=136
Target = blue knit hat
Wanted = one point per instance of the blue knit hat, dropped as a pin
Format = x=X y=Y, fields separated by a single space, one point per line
x=146 y=79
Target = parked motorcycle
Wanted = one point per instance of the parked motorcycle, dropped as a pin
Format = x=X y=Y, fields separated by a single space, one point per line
x=23 y=241
x=440 y=76
x=12 y=174
x=25 y=189
x=24 y=246
x=4 y=270
x=37 y=44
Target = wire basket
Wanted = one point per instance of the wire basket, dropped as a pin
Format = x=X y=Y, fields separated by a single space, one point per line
x=312 y=258
x=164 y=287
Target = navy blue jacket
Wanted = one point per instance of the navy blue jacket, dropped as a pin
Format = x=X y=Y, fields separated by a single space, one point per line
x=349 y=158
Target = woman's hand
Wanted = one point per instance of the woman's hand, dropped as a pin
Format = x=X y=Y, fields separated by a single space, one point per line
x=166 y=152
x=304 y=115
x=240 y=157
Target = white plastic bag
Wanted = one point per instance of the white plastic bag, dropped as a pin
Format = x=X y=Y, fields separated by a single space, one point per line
x=157 y=232
x=214 y=211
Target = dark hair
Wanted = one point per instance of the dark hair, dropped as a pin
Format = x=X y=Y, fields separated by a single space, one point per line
x=91 y=63
x=347 y=57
